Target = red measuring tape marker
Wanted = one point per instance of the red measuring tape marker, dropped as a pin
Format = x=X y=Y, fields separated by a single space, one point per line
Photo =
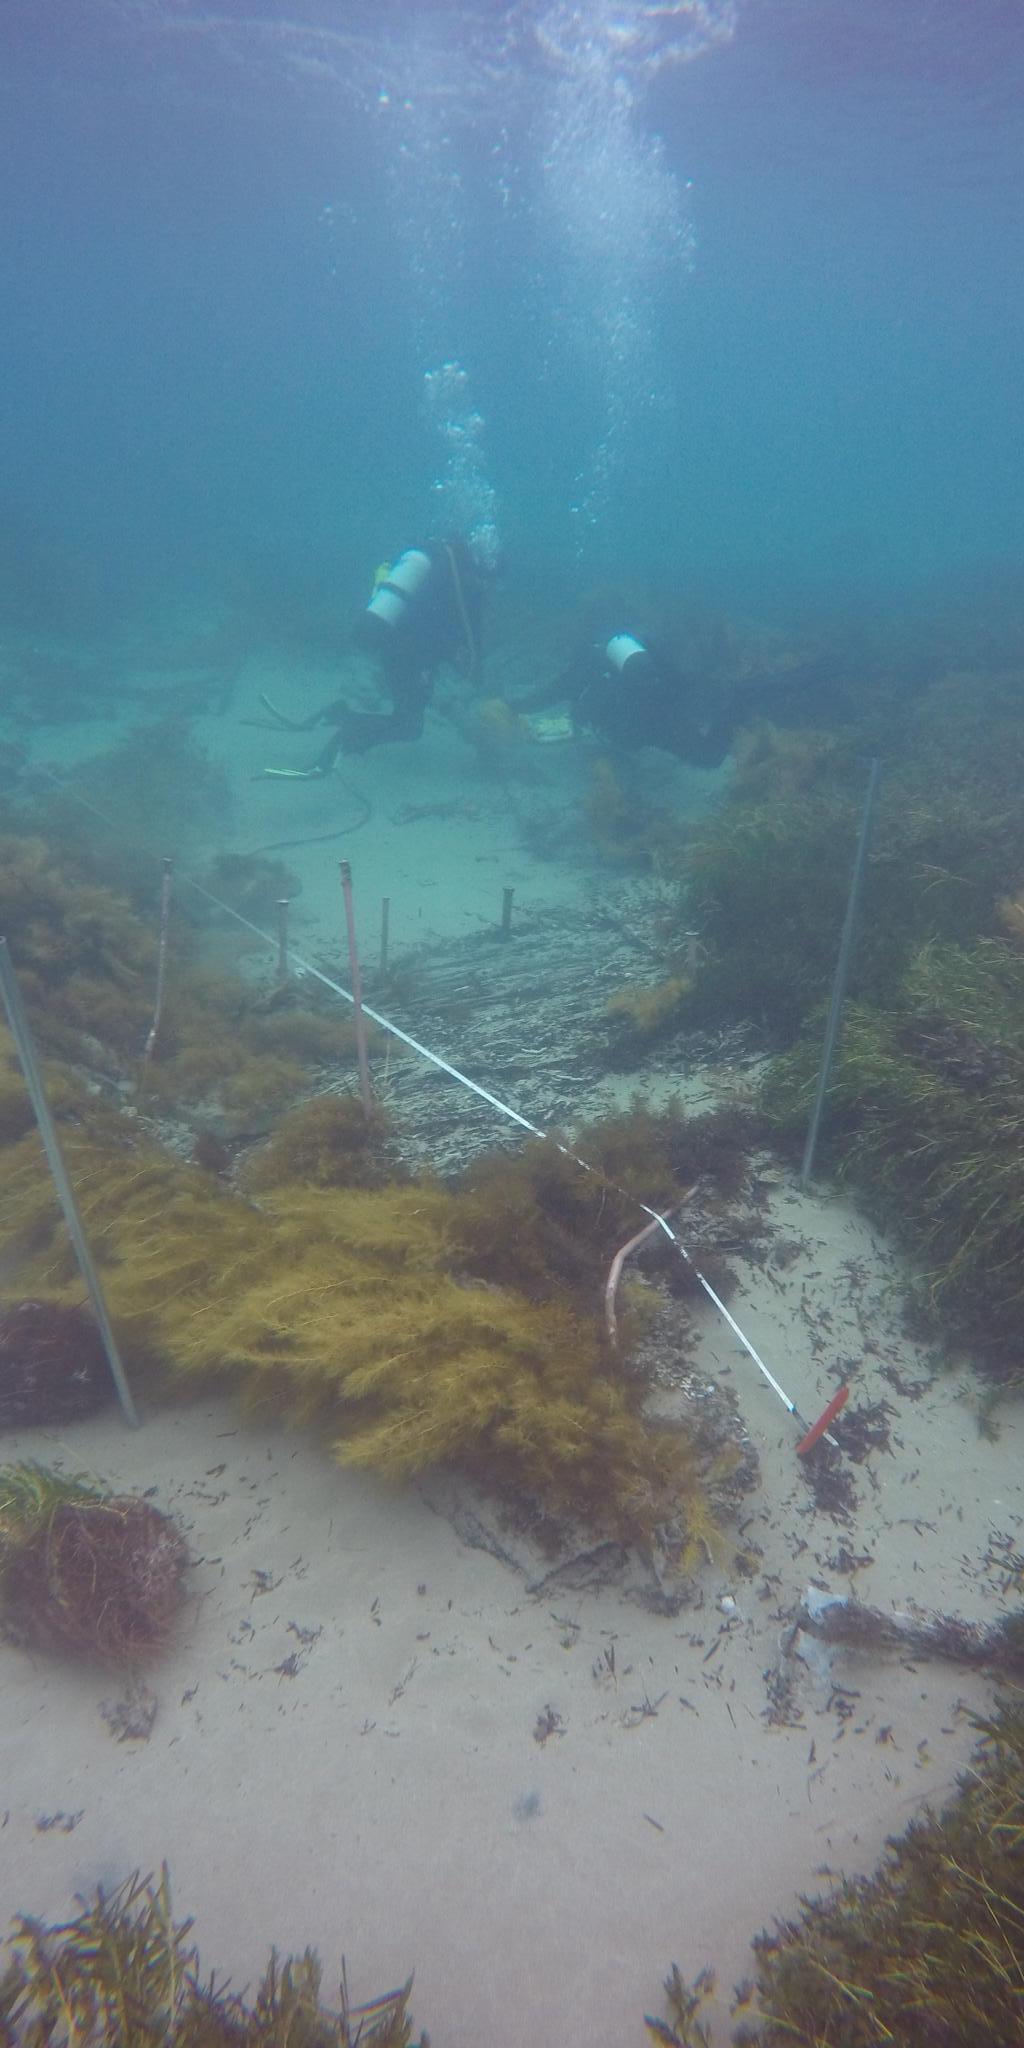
x=817 y=1429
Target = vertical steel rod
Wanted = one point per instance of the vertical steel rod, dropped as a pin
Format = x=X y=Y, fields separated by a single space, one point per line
x=357 y=992
x=846 y=945
x=282 y=938
x=55 y=1159
x=166 y=886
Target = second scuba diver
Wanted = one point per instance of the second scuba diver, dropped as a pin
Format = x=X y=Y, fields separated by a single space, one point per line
x=628 y=691
x=425 y=609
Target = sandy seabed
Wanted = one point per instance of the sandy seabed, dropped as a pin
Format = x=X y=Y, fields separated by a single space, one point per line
x=372 y=1737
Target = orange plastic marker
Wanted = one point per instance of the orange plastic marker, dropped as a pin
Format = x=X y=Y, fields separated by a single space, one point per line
x=818 y=1428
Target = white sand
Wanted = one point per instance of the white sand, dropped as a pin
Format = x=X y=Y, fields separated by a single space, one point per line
x=444 y=871
x=390 y=1801
x=386 y=1797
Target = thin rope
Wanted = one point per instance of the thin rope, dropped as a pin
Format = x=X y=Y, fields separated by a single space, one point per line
x=485 y=1095
x=472 y=654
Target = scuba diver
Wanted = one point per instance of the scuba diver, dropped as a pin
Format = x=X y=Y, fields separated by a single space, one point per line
x=629 y=692
x=425 y=609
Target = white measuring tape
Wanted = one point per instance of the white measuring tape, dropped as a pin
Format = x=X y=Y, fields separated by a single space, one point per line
x=495 y=1102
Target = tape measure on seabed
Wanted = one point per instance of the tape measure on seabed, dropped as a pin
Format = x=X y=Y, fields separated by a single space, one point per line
x=812 y=1432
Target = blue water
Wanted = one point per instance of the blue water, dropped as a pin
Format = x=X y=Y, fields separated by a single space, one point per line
x=736 y=291
x=720 y=303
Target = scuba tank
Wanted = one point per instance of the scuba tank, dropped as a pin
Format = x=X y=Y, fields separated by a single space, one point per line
x=394 y=593
x=623 y=697
x=630 y=660
x=623 y=673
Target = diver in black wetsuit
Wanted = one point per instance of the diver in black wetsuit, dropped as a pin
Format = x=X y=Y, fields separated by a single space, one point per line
x=424 y=610
x=630 y=693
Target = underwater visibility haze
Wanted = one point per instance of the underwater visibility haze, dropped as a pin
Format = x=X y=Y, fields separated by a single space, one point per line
x=736 y=289
x=490 y=488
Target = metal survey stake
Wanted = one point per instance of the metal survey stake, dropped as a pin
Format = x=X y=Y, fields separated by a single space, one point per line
x=846 y=943
x=55 y=1159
